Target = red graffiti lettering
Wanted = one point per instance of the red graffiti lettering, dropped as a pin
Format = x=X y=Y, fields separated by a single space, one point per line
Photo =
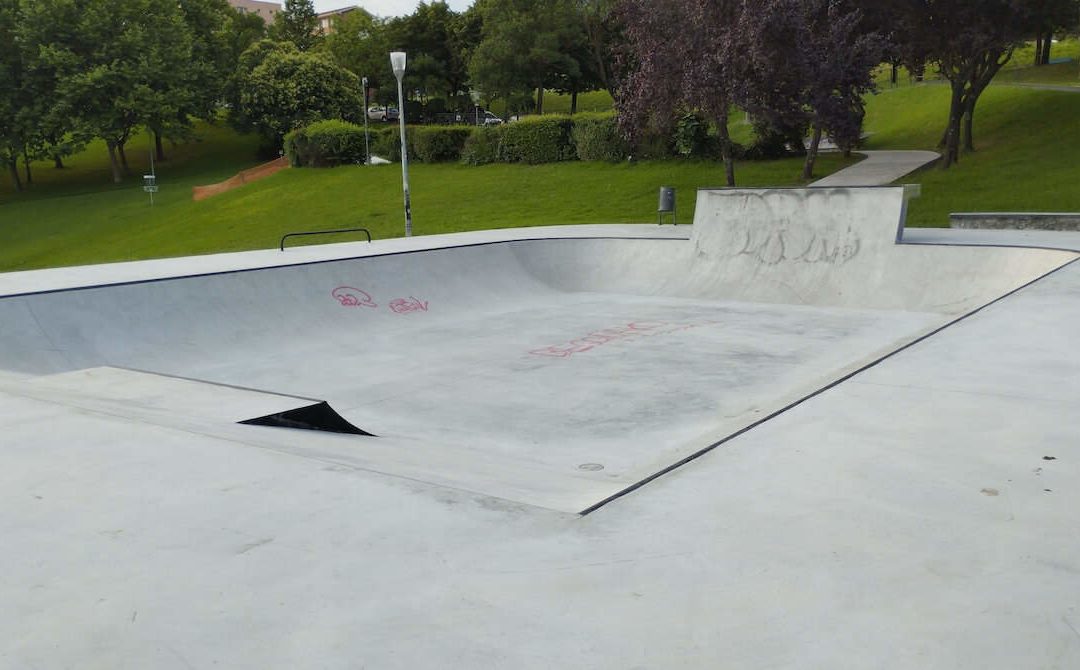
x=406 y=305
x=352 y=297
x=634 y=331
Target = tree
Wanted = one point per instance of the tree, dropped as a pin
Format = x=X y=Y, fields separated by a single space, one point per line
x=288 y=89
x=358 y=44
x=12 y=93
x=243 y=30
x=1048 y=16
x=435 y=65
x=526 y=45
x=116 y=64
x=968 y=42
x=297 y=23
x=808 y=65
x=603 y=34
x=662 y=80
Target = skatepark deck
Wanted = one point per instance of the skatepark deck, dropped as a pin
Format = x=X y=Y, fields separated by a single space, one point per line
x=883 y=408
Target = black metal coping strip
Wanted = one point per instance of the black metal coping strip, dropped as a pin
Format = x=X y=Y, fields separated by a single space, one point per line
x=988 y=245
x=197 y=275
x=698 y=454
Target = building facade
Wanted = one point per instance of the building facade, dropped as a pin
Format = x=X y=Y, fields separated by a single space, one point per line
x=266 y=10
x=327 y=19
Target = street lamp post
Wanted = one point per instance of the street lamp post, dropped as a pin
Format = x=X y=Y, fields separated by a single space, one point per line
x=397 y=62
x=367 y=145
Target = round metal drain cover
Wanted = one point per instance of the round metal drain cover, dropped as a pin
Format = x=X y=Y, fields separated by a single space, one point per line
x=591 y=467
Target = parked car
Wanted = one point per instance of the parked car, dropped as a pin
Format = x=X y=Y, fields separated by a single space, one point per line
x=474 y=117
x=379 y=113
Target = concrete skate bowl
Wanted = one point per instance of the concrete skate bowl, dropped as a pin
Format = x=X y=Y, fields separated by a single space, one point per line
x=559 y=373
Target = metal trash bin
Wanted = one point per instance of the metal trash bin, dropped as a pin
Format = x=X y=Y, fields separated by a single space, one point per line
x=666 y=205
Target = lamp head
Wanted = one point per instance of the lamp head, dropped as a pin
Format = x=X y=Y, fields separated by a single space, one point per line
x=397 y=62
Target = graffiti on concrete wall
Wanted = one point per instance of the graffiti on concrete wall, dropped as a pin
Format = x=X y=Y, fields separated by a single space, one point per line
x=801 y=245
x=632 y=331
x=350 y=296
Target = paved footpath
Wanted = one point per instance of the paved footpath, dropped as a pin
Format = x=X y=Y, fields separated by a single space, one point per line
x=879 y=168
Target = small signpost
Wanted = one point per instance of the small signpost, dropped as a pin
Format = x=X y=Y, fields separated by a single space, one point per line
x=150 y=186
x=150 y=180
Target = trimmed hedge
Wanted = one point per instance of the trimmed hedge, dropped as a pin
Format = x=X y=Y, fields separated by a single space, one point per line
x=386 y=142
x=532 y=140
x=539 y=139
x=484 y=145
x=435 y=144
x=325 y=144
x=596 y=138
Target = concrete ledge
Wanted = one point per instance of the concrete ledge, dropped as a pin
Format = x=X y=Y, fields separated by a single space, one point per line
x=1016 y=220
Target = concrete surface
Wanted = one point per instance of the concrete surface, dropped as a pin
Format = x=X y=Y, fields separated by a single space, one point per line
x=893 y=482
x=879 y=168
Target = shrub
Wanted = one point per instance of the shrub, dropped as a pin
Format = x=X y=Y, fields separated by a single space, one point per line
x=597 y=138
x=691 y=135
x=433 y=144
x=654 y=145
x=772 y=142
x=386 y=143
x=325 y=144
x=484 y=145
x=539 y=139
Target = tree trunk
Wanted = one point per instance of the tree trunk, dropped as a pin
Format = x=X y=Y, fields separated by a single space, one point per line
x=978 y=82
x=573 y=103
x=1048 y=42
x=26 y=168
x=117 y=176
x=13 y=168
x=952 y=132
x=539 y=99
x=894 y=75
x=58 y=161
x=725 y=149
x=811 y=154
x=1038 y=50
x=159 y=151
x=969 y=114
x=123 y=158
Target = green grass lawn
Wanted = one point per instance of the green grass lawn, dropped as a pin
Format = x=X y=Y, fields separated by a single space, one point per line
x=1027 y=142
x=119 y=224
x=214 y=154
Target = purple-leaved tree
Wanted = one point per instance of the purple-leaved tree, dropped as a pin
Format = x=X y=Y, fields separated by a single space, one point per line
x=678 y=57
x=808 y=64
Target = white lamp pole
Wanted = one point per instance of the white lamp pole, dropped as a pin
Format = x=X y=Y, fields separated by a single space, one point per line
x=367 y=145
x=397 y=61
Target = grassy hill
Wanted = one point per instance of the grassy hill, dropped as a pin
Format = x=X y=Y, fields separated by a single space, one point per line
x=1027 y=142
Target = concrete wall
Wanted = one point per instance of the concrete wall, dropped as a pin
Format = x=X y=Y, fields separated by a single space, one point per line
x=1016 y=220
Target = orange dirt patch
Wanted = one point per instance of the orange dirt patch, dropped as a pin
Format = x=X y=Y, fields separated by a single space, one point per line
x=247 y=176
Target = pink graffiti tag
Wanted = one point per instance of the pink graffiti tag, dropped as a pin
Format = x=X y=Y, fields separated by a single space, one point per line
x=406 y=305
x=353 y=297
x=636 y=330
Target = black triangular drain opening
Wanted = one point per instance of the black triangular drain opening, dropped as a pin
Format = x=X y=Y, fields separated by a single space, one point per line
x=320 y=416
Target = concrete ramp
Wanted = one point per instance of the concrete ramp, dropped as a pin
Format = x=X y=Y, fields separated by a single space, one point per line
x=553 y=372
x=168 y=400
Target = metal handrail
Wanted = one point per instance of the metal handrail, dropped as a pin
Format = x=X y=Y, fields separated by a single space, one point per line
x=325 y=232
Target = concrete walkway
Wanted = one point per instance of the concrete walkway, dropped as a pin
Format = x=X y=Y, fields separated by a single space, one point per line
x=880 y=168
